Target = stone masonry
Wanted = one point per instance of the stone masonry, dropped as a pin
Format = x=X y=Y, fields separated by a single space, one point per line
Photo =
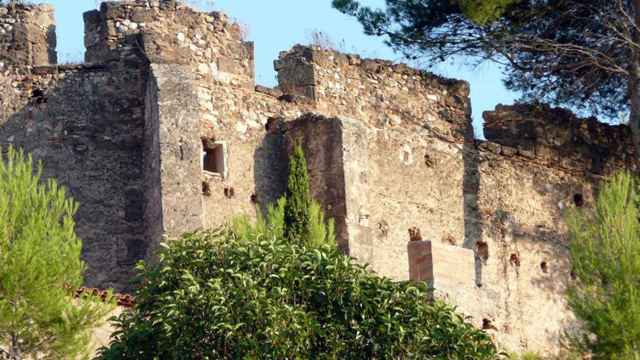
x=163 y=131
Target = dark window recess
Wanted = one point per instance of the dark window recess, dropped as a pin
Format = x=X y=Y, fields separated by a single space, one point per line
x=229 y=192
x=213 y=157
x=578 y=200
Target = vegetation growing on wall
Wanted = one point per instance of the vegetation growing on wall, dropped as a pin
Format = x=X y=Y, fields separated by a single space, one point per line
x=303 y=217
x=39 y=260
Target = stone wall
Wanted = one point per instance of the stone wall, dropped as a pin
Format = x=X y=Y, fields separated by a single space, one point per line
x=389 y=148
x=557 y=137
x=86 y=124
x=27 y=35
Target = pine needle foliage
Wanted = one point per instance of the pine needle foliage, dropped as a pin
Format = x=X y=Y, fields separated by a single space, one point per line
x=298 y=198
x=483 y=12
x=605 y=254
x=224 y=295
x=39 y=261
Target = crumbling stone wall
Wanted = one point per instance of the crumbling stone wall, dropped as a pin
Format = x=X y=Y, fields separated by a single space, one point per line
x=557 y=137
x=85 y=123
x=27 y=35
x=389 y=148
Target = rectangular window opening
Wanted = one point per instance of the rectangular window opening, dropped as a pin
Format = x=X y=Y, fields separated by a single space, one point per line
x=214 y=158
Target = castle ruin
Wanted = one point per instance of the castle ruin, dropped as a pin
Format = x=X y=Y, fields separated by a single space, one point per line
x=163 y=130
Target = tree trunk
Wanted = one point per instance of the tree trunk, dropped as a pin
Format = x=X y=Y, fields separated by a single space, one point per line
x=14 y=350
x=634 y=83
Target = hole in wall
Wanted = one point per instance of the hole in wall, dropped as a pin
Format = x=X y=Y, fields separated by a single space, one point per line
x=414 y=234
x=578 y=200
x=206 y=189
x=482 y=250
x=229 y=192
x=38 y=97
x=428 y=160
x=514 y=259
x=254 y=198
x=383 y=228
x=488 y=325
x=544 y=267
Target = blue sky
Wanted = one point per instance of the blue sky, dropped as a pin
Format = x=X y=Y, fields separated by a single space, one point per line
x=276 y=25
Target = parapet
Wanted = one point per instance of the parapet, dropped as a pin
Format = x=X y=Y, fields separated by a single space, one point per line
x=165 y=31
x=558 y=137
x=375 y=91
x=27 y=35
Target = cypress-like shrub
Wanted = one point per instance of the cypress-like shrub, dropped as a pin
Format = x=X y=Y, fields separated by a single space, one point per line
x=297 y=208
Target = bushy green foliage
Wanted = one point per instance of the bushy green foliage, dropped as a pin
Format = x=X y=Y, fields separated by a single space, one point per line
x=298 y=195
x=39 y=260
x=605 y=254
x=321 y=231
x=253 y=295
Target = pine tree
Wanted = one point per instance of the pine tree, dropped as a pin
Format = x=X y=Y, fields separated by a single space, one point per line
x=298 y=199
x=39 y=263
x=605 y=255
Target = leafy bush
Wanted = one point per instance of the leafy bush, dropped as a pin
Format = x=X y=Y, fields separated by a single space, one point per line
x=605 y=254
x=252 y=294
x=39 y=258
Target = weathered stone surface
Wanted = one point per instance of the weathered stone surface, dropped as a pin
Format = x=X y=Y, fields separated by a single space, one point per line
x=27 y=35
x=86 y=125
x=389 y=148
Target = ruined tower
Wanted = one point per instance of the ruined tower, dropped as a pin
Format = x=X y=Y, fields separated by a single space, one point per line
x=163 y=131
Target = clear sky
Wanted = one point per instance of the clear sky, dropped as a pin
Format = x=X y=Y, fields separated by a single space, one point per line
x=276 y=25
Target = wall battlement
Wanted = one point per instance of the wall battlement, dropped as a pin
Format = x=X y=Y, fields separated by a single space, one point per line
x=27 y=35
x=375 y=91
x=163 y=131
x=558 y=137
x=168 y=32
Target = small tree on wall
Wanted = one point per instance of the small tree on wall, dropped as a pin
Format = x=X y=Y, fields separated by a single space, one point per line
x=298 y=198
x=39 y=262
x=304 y=221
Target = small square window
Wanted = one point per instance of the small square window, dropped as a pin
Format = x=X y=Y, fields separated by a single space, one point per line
x=214 y=158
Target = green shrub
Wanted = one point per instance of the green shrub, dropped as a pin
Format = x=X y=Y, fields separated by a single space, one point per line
x=298 y=195
x=605 y=255
x=249 y=295
x=39 y=261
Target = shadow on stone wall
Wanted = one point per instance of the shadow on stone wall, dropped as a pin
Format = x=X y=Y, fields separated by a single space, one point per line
x=471 y=191
x=86 y=125
x=270 y=166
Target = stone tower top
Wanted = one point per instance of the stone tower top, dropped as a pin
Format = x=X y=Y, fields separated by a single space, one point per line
x=166 y=32
x=27 y=35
